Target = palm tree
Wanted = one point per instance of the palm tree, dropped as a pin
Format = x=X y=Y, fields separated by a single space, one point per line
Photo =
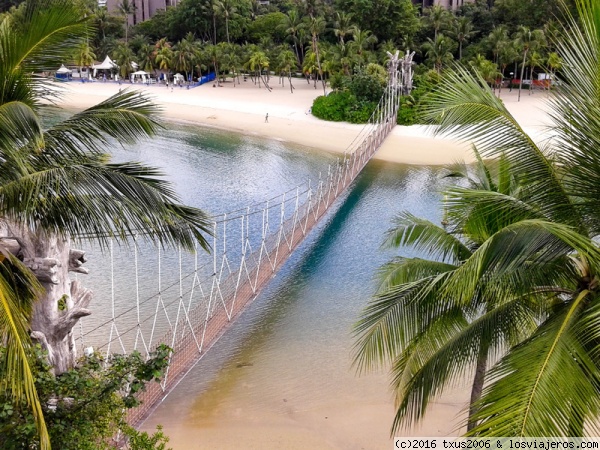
x=462 y=31
x=439 y=51
x=292 y=24
x=451 y=340
x=57 y=184
x=317 y=26
x=285 y=62
x=227 y=8
x=527 y=40
x=19 y=290
x=554 y=63
x=124 y=56
x=544 y=253
x=126 y=8
x=84 y=56
x=343 y=26
x=257 y=63
x=437 y=16
x=362 y=40
x=183 y=55
x=145 y=58
x=497 y=40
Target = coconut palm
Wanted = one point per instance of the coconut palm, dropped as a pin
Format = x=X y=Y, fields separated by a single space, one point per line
x=462 y=31
x=58 y=184
x=124 y=56
x=84 y=56
x=548 y=384
x=226 y=8
x=343 y=26
x=451 y=340
x=126 y=8
x=437 y=17
x=286 y=61
x=439 y=51
x=257 y=63
x=291 y=24
x=317 y=26
x=527 y=40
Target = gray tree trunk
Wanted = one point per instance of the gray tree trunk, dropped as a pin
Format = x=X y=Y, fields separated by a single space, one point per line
x=477 y=387
x=65 y=301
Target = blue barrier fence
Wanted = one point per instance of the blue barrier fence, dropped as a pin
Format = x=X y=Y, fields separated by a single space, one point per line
x=206 y=78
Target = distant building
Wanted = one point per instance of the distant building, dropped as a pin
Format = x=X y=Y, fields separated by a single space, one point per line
x=144 y=9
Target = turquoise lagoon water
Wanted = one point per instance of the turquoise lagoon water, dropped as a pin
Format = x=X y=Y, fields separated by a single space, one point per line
x=281 y=377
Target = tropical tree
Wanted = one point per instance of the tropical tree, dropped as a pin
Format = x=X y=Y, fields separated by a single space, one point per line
x=226 y=8
x=145 y=58
x=544 y=253
x=439 y=51
x=451 y=340
x=124 y=56
x=462 y=31
x=343 y=26
x=286 y=61
x=183 y=55
x=292 y=24
x=84 y=56
x=58 y=184
x=317 y=26
x=126 y=8
x=527 y=40
x=257 y=63
x=437 y=17
x=362 y=40
x=554 y=63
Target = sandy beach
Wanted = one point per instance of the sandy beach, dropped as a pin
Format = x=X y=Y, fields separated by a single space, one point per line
x=242 y=108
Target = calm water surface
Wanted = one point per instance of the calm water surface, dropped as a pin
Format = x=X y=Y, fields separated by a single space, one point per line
x=282 y=377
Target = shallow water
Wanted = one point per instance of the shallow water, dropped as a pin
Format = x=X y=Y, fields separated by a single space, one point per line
x=282 y=375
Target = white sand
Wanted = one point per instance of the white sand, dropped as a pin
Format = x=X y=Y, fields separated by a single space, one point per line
x=243 y=108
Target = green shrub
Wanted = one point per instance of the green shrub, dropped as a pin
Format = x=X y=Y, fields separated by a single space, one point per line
x=361 y=112
x=84 y=407
x=334 y=106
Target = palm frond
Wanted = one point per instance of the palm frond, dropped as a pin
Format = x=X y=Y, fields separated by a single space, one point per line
x=387 y=324
x=463 y=106
x=554 y=376
x=18 y=291
x=409 y=230
x=97 y=201
x=525 y=244
x=447 y=351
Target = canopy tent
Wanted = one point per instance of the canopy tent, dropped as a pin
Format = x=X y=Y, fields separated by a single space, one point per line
x=63 y=69
x=144 y=76
x=178 y=78
x=107 y=64
x=63 y=73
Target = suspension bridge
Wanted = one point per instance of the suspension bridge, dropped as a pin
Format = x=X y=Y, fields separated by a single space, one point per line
x=206 y=293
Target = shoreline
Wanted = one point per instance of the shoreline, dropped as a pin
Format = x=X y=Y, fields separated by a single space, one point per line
x=242 y=109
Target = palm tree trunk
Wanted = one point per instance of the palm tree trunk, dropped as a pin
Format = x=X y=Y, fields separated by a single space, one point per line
x=64 y=302
x=522 y=73
x=227 y=28
x=477 y=386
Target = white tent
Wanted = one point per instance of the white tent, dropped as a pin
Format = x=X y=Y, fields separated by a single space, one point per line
x=63 y=69
x=141 y=74
x=178 y=78
x=107 y=64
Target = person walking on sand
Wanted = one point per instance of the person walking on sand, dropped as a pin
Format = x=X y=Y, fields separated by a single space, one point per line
x=267 y=118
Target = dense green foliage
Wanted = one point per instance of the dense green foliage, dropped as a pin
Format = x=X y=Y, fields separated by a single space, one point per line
x=330 y=39
x=85 y=406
